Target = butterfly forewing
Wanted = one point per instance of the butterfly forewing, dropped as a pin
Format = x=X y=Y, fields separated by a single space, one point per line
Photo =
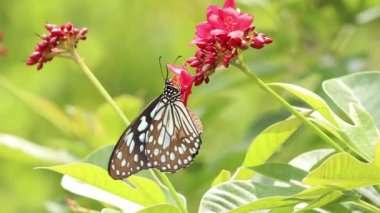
x=128 y=156
x=165 y=136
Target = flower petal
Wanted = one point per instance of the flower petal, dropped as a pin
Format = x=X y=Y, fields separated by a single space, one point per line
x=229 y=3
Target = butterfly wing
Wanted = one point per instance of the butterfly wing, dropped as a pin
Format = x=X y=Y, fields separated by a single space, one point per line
x=174 y=139
x=128 y=156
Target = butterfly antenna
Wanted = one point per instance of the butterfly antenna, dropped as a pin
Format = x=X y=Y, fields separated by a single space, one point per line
x=162 y=73
x=178 y=57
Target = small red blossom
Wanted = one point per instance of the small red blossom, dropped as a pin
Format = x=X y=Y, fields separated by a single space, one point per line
x=183 y=78
x=219 y=38
x=59 y=42
x=3 y=49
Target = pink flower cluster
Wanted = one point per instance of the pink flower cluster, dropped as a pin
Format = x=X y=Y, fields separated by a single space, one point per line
x=3 y=50
x=218 y=39
x=59 y=41
x=226 y=30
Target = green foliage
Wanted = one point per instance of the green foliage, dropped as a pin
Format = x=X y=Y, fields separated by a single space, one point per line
x=344 y=171
x=142 y=190
x=56 y=117
x=161 y=208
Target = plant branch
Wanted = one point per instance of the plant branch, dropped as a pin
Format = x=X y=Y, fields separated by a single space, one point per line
x=78 y=60
x=284 y=103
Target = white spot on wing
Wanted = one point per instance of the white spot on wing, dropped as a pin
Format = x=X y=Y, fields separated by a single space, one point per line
x=142 y=137
x=131 y=147
x=172 y=156
x=143 y=124
x=166 y=141
x=119 y=155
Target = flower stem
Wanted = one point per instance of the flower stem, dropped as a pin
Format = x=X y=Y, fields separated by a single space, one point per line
x=289 y=107
x=156 y=174
x=78 y=60
x=164 y=180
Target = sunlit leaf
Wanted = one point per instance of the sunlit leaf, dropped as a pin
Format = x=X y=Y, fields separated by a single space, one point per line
x=323 y=200
x=243 y=173
x=281 y=171
x=242 y=195
x=312 y=99
x=89 y=191
x=109 y=210
x=142 y=191
x=161 y=208
x=308 y=159
x=18 y=148
x=269 y=140
x=266 y=190
x=223 y=176
x=336 y=207
x=100 y=157
x=266 y=203
x=359 y=89
x=363 y=135
x=343 y=170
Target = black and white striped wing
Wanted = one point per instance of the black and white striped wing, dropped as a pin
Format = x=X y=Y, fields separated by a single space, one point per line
x=173 y=139
x=128 y=156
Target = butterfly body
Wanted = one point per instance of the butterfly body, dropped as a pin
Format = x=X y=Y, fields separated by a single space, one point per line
x=165 y=136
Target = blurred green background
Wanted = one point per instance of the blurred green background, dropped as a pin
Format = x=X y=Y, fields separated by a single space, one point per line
x=313 y=41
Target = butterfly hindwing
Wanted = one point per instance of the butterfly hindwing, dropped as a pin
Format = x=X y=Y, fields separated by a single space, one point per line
x=174 y=139
x=128 y=156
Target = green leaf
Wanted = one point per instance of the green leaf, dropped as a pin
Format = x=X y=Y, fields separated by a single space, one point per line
x=17 y=148
x=142 y=191
x=315 y=191
x=360 y=89
x=223 y=176
x=266 y=203
x=228 y=196
x=312 y=99
x=269 y=140
x=109 y=210
x=242 y=173
x=363 y=135
x=281 y=171
x=265 y=190
x=343 y=170
x=100 y=157
x=161 y=208
x=323 y=200
x=309 y=159
x=235 y=194
x=336 y=207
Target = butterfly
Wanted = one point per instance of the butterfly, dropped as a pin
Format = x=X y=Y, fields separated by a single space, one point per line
x=165 y=136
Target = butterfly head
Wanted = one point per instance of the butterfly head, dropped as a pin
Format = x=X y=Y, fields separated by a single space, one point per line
x=171 y=90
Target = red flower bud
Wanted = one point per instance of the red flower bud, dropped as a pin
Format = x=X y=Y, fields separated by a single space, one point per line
x=69 y=26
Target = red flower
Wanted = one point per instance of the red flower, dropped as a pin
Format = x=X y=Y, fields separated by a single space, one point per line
x=226 y=30
x=183 y=78
x=58 y=42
